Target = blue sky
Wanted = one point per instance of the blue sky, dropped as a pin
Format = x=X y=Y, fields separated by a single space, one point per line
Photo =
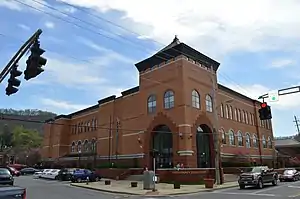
x=90 y=56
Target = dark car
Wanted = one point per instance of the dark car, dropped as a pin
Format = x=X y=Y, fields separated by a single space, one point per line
x=80 y=175
x=6 y=177
x=65 y=174
x=258 y=176
x=289 y=175
x=28 y=171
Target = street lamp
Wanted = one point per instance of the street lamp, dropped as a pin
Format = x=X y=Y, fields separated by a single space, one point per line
x=79 y=157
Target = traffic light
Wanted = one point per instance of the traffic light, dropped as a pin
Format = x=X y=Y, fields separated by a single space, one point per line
x=13 y=82
x=265 y=112
x=35 y=62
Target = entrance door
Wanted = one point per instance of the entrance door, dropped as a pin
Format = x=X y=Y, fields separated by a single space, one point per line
x=203 y=146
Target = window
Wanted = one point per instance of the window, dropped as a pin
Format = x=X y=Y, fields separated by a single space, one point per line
x=230 y=112
x=151 y=104
x=231 y=138
x=269 y=142
x=243 y=116
x=88 y=126
x=73 y=147
x=209 y=104
x=223 y=136
x=96 y=124
x=255 y=141
x=79 y=146
x=169 y=99
x=195 y=99
x=239 y=115
x=248 y=142
x=86 y=145
x=240 y=139
x=264 y=143
x=235 y=115
x=246 y=118
x=226 y=111
x=221 y=110
x=94 y=145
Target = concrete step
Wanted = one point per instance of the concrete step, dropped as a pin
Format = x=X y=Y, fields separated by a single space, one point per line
x=135 y=178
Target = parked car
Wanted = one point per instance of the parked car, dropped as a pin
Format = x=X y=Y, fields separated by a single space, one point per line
x=38 y=174
x=12 y=192
x=53 y=174
x=6 y=178
x=290 y=174
x=45 y=172
x=80 y=175
x=28 y=171
x=258 y=176
x=65 y=174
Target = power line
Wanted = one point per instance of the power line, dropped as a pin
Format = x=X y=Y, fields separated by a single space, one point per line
x=99 y=28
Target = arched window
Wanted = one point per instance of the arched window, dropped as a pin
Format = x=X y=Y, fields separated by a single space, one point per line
x=230 y=113
x=195 y=99
x=96 y=124
x=235 y=115
x=94 y=145
x=255 y=144
x=240 y=139
x=79 y=146
x=151 y=104
x=73 y=147
x=86 y=145
x=231 y=138
x=223 y=136
x=248 y=140
x=264 y=143
x=246 y=118
x=222 y=110
x=226 y=111
x=209 y=104
x=269 y=142
x=239 y=115
x=243 y=116
x=88 y=126
x=169 y=99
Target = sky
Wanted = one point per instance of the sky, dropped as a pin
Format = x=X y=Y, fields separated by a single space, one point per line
x=92 y=46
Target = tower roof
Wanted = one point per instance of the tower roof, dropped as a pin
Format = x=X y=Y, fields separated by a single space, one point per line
x=175 y=49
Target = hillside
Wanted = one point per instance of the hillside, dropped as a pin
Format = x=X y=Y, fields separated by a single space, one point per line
x=27 y=115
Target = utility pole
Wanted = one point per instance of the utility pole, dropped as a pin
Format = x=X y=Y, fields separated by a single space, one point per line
x=297 y=123
x=21 y=52
x=216 y=128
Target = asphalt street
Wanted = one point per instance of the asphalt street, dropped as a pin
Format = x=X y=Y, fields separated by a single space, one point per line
x=39 y=188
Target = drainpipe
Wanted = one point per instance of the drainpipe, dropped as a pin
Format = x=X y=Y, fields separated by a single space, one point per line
x=257 y=130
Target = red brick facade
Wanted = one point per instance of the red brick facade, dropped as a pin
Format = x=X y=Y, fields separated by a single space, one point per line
x=175 y=94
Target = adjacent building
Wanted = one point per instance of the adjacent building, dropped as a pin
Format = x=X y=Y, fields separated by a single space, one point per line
x=172 y=110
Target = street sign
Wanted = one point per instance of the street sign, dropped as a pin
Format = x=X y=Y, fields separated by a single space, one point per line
x=273 y=96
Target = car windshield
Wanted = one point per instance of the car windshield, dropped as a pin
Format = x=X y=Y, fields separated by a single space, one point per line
x=4 y=172
x=255 y=169
x=289 y=172
x=79 y=171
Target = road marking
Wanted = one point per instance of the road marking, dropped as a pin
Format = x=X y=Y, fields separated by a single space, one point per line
x=294 y=186
x=294 y=196
x=249 y=194
x=268 y=189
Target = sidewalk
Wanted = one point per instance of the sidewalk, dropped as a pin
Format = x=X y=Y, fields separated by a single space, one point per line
x=123 y=187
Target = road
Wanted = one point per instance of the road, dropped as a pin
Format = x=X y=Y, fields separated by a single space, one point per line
x=39 y=188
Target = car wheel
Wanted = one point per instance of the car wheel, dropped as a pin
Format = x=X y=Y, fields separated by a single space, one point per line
x=56 y=178
x=242 y=186
x=260 y=184
x=274 y=183
x=281 y=180
x=12 y=184
x=79 y=180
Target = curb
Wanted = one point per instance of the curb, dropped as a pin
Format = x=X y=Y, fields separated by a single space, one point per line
x=162 y=195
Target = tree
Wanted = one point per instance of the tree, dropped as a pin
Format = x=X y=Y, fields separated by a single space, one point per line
x=25 y=139
x=5 y=138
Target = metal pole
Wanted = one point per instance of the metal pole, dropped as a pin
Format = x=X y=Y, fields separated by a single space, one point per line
x=109 y=142
x=19 y=54
x=297 y=125
x=215 y=129
x=117 y=138
x=154 y=178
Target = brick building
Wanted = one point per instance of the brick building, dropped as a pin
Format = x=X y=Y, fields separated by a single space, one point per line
x=172 y=110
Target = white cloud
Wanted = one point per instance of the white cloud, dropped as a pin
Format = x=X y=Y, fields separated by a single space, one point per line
x=61 y=105
x=281 y=63
x=286 y=102
x=20 y=5
x=212 y=26
x=49 y=24
x=24 y=27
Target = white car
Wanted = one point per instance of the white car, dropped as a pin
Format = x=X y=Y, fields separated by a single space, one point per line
x=45 y=172
x=53 y=174
x=38 y=174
